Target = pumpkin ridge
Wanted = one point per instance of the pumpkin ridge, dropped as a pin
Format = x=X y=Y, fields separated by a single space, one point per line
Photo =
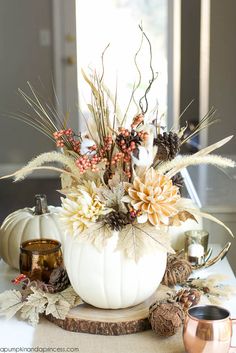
x=104 y=278
x=57 y=227
x=121 y=278
x=13 y=260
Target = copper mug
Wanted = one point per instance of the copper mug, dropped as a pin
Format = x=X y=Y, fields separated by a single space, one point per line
x=207 y=329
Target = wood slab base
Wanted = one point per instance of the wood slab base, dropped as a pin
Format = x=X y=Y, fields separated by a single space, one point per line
x=88 y=319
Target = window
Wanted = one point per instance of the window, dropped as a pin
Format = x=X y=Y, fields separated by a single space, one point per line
x=116 y=22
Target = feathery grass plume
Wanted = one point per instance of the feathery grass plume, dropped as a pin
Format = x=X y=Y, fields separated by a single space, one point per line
x=48 y=157
x=173 y=167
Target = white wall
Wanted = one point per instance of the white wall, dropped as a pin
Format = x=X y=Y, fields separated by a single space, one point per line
x=23 y=58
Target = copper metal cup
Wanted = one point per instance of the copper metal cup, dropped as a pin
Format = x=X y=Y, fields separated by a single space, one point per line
x=39 y=257
x=207 y=329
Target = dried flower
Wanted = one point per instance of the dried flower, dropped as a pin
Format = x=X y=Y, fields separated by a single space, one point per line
x=81 y=208
x=155 y=196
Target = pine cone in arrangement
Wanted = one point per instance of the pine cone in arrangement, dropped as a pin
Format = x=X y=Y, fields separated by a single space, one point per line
x=177 y=271
x=58 y=280
x=178 y=180
x=116 y=220
x=168 y=145
x=187 y=297
x=166 y=318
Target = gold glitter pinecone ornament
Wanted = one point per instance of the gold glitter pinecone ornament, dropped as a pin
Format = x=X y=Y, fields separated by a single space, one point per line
x=166 y=318
x=187 y=297
x=177 y=270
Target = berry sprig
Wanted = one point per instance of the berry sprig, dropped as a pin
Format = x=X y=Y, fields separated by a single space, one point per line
x=138 y=119
x=127 y=142
x=63 y=137
x=133 y=214
x=90 y=161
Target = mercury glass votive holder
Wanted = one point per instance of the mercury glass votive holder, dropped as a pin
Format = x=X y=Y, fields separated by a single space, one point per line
x=39 y=257
x=196 y=246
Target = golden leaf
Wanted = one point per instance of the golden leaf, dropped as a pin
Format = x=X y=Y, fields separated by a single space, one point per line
x=182 y=216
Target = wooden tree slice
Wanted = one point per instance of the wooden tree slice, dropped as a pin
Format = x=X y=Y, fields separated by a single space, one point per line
x=88 y=319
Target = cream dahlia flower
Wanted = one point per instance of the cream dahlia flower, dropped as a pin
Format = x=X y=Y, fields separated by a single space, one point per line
x=81 y=208
x=155 y=196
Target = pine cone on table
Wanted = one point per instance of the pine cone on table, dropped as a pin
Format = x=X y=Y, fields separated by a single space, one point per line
x=168 y=145
x=58 y=280
x=187 y=297
x=177 y=270
x=166 y=318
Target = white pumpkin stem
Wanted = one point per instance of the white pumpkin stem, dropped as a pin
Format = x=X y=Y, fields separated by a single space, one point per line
x=41 y=206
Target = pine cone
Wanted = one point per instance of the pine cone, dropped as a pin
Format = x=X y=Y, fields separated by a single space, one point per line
x=177 y=270
x=59 y=280
x=166 y=318
x=116 y=220
x=187 y=297
x=178 y=180
x=168 y=145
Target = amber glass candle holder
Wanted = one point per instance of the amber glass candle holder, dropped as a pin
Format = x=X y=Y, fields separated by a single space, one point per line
x=39 y=257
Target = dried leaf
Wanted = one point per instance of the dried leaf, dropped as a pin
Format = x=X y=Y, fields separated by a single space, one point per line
x=93 y=88
x=98 y=234
x=59 y=304
x=34 y=306
x=58 y=309
x=113 y=197
x=182 y=216
x=139 y=239
x=10 y=303
x=68 y=295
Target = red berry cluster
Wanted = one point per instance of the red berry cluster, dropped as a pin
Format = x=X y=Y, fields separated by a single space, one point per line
x=133 y=214
x=90 y=161
x=19 y=279
x=138 y=119
x=127 y=141
x=63 y=136
x=85 y=162
x=117 y=158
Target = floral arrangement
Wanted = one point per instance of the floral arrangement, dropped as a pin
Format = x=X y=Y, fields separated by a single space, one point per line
x=122 y=174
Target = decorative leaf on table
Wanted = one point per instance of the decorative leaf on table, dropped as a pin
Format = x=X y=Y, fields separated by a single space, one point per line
x=58 y=309
x=34 y=306
x=98 y=234
x=10 y=303
x=70 y=296
x=139 y=239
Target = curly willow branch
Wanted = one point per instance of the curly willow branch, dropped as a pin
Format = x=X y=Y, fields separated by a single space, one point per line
x=152 y=79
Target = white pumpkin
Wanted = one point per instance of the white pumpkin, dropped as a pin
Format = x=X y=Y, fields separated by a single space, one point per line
x=108 y=279
x=24 y=224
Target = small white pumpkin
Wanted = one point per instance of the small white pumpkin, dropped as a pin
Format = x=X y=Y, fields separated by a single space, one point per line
x=107 y=278
x=41 y=221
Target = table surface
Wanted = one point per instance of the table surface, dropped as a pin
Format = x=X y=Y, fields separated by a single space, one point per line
x=15 y=333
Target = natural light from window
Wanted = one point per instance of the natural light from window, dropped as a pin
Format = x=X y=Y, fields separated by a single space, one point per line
x=116 y=22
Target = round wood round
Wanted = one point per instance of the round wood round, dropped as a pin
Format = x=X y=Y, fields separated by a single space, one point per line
x=88 y=319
